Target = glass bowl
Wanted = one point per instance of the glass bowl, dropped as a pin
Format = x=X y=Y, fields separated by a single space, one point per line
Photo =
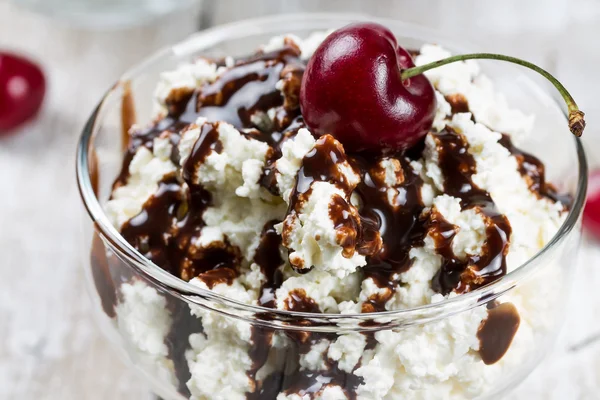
x=181 y=337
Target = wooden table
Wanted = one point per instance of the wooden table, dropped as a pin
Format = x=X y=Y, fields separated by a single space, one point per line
x=50 y=348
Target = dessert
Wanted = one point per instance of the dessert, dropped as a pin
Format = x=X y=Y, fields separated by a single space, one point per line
x=245 y=185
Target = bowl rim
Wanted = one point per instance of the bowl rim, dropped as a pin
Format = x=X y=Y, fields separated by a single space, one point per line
x=267 y=316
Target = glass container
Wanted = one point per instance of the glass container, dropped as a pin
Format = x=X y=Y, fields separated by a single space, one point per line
x=165 y=327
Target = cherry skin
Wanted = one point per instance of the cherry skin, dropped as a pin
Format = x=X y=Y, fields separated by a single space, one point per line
x=352 y=89
x=591 y=212
x=22 y=89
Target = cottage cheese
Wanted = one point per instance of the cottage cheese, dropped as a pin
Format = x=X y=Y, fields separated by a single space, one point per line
x=144 y=322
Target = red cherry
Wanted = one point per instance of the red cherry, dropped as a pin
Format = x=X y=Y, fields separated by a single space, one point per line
x=591 y=212
x=352 y=89
x=22 y=89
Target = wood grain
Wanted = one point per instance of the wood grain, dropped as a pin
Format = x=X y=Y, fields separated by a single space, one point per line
x=50 y=348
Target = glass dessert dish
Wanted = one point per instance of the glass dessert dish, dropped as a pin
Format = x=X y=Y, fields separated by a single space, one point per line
x=157 y=320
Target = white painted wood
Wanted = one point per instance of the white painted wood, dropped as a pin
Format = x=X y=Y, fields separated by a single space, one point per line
x=49 y=348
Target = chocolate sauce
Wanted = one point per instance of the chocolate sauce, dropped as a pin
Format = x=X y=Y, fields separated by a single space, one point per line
x=94 y=172
x=389 y=232
x=320 y=164
x=102 y=277
x=497 y=331
x=207 y=142
x=442 y=232
x=128 y=115
x=310 y=382
x=534 y=172
x=178 y=100
x=247 y=89
x=174 y=142
x=345 y=223
x=289 y=377
x=458 y=103
x=177 y=339
x=150 y=230
x=291 y=76
x=218 y=275
x=298 y=301
x=458 y=167
x=305 y=382
x=260 y=347
x=268 y=258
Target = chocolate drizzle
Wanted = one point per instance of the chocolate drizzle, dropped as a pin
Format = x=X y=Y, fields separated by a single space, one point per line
x=103 y=279
x=458 y=103
x=291 y=379
x=177 y=340
x=308 y=383
x=298 y=301
x=248 y=89
x=534 y=172
x=346 y=224
x=268 y=258
x=94 y=172
x=207 y=142
x=458 y=166
x=320 y=164
x=148 y=230
x=442 y=233
x=128 y=115
x=497 y=331
x=396 y=228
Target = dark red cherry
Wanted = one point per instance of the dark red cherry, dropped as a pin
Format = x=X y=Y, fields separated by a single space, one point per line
x=591 y=212
x=22 y=89
x=352 y=89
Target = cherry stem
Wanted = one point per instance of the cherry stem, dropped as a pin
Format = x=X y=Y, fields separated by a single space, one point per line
x=576 y=117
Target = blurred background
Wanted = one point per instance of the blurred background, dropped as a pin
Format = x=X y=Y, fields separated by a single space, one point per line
x=49 y=348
